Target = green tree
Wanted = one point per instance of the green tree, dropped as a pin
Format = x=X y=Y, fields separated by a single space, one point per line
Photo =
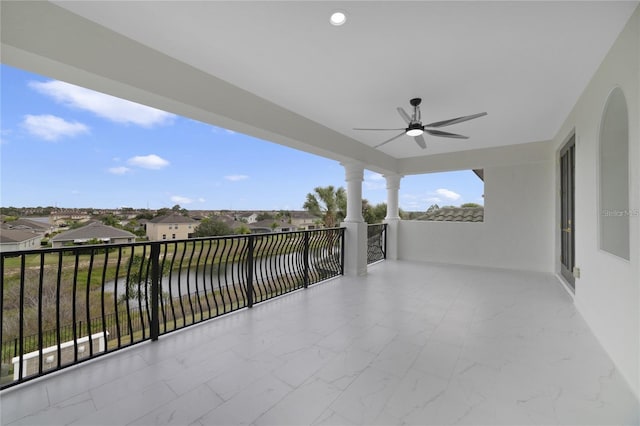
x=144 y=214
x=181 y=210
x=134 y=227
x=10 y=211
x=162 y=212
x=367 y=211
x=433 y=207
x=110 y=220
x=467 y=205
x=284 y=215
x=379 y=212
x=243 y=229
x=409 y=215
x=210 y=227
x=264 y=216
x=328 y=203
x=139 y=280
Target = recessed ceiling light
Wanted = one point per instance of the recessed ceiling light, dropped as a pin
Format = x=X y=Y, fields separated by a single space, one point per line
x=338 y=18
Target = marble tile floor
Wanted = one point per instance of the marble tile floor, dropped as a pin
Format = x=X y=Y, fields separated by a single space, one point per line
x=409 y=344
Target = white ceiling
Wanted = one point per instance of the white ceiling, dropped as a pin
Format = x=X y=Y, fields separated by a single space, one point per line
x=524 y=63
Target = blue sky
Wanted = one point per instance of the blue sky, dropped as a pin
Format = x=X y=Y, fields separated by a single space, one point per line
x=62 y=145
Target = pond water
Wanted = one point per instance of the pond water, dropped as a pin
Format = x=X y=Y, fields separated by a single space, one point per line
x=206 y=278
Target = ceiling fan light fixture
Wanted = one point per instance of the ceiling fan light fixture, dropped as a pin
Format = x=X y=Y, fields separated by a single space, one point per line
x=414 y=132
x=338 y=18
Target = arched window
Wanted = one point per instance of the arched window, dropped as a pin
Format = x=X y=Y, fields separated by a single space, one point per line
x=614 y=176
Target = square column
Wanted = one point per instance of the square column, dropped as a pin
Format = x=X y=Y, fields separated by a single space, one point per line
x=355 y=257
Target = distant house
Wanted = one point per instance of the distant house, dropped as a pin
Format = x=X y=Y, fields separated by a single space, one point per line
x=247 y=217
x=173 y=226
x=19 y=239
x=455 y=214
x=304 y=220
x=270 y=225
x=68 y=216
x=91 y=232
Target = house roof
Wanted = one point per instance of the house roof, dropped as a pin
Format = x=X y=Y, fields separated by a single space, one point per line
x=267 y=223
x=455 y=214
x=303 y=214
x=227 y=219
x=93 y=230
x=173 y=218
x=16 y=235
x=31 y=224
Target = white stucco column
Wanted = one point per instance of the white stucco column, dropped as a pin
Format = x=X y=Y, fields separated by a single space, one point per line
x=354 y=175
x=355 y=257
x=393 y=187
x=393 y=214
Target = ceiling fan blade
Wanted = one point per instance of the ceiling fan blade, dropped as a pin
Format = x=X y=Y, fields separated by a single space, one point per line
x=358 y=128
x=404 y=115
x=445 y=134
x=455 y=120
x=420 y=141
x=389 y=140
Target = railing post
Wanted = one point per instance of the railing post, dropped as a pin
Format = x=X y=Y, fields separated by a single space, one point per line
x=342 y=251
x=1 y=304
x=251 y=239
x=306 y=259
x=384 y=235
x=155 y=293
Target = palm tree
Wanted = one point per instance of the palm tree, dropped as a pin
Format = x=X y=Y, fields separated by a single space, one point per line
x=328 y=203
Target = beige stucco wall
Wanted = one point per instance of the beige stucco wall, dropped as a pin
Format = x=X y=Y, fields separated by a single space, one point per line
x=155 y=231
x=30 y=244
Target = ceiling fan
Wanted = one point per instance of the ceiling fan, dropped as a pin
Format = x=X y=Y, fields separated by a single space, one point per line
x=416 y=128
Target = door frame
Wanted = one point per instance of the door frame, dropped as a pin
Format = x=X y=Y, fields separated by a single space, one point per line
x=566 y=219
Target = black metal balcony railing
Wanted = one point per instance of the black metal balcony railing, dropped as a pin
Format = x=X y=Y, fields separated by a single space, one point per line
x=376 y=242
x=63 y=306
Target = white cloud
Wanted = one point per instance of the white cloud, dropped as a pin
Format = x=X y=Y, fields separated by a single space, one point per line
x=150 y=161
x=52 y=128
x=181 y=200
x=235 y=178
x=448 y=194
x=104 y=106
x=121 y=170
x=433 y=200
x=374 y=181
